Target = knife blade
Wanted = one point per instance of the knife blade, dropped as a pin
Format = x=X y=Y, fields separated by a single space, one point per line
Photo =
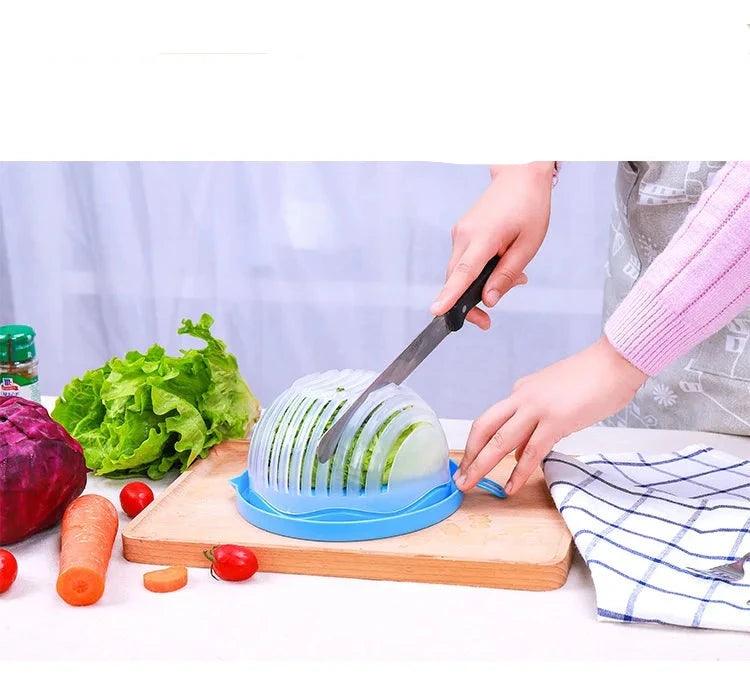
x=411 y=357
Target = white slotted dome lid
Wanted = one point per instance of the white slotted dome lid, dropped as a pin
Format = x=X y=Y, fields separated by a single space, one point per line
x=391 y=453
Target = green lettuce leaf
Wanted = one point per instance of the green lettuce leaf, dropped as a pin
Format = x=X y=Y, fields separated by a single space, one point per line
x=147 y=413
x=395 y=448
x=227 y=401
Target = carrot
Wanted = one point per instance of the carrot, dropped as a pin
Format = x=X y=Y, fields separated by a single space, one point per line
x=88 y=531
x=166 y=580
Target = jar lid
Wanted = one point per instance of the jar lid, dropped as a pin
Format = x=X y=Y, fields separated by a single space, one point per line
x=17 y=343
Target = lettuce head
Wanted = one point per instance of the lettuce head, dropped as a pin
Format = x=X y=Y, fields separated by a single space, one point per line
x=147 y=413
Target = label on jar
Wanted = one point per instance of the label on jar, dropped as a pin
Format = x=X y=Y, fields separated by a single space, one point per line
x=15 y=385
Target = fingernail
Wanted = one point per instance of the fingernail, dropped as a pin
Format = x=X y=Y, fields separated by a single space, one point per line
x=435 y=308
x=459 y=478
x=509 y=488
x=493 y=296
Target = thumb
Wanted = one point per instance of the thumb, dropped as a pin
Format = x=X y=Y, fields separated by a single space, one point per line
x=465 y=271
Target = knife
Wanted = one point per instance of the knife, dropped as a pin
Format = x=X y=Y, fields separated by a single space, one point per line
x=412 y=356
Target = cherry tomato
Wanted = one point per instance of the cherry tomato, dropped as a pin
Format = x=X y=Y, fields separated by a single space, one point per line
x=134 y=497
x=232 y=562
x=8 y=570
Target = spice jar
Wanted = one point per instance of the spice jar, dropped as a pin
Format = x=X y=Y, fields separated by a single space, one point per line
x=19 y=367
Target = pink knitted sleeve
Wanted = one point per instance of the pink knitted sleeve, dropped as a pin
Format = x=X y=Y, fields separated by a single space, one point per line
x=696 y=285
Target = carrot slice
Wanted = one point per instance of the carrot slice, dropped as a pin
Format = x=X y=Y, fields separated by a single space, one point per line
x=89 y=527
x=165 y=580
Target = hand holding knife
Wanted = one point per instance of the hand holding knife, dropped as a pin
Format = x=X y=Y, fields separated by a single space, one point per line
x=412 y=356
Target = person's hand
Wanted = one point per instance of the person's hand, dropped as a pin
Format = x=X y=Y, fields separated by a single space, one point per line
x=510 y=219
x=546 y=406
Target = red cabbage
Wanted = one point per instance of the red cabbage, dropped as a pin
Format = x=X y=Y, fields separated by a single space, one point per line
x=42 y=469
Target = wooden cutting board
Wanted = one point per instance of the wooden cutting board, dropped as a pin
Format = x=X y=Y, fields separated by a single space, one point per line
x=520 y=542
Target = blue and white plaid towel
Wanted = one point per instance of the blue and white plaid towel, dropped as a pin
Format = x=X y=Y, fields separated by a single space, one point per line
x=640 y=521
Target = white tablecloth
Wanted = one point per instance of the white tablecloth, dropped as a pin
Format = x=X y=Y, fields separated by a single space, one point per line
x=277 y=615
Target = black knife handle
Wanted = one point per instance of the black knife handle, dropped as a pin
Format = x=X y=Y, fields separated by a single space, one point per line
x=472 y=296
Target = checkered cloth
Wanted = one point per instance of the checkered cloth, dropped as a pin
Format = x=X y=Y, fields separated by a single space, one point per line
x=639 y=521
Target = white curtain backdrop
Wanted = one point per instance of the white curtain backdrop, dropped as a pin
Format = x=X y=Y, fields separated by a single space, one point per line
x=304 y=266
